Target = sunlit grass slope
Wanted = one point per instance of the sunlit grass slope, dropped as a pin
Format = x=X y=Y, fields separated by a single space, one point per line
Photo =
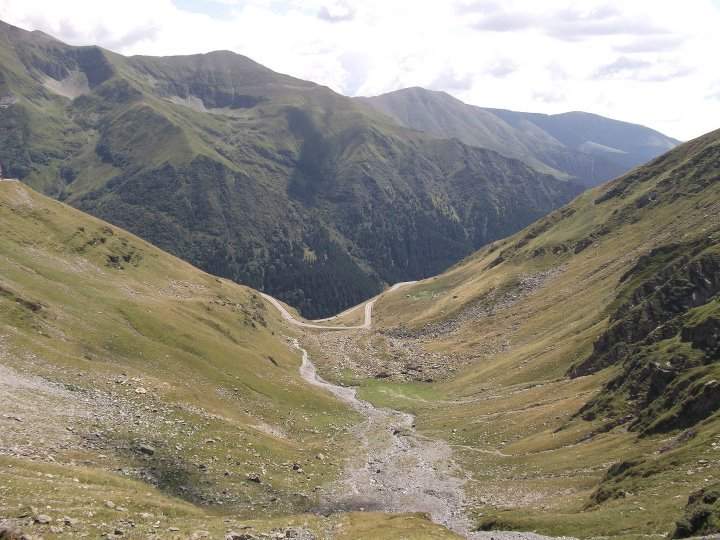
x=608 y=356
x=141 y=394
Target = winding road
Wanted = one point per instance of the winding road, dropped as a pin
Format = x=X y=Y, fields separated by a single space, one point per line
x=367 y=323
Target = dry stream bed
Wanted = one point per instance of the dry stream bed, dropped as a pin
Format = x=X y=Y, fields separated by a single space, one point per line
x=396 y=469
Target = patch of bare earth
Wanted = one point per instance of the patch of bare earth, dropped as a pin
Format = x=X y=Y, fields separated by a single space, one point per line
x=403 y=354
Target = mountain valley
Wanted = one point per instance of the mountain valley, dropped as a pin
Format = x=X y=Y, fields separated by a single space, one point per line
x=548 y=416
x=265 y=179
x=238 y=305
x=141 y=396
x=572 y=367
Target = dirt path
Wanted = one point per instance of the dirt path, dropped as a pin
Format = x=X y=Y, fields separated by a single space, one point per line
x=313 y=324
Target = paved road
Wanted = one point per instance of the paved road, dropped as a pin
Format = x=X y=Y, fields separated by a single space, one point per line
x=313 y=324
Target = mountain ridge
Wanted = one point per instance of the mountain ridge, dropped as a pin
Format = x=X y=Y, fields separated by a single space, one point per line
x=277 y=183
x=556 y=143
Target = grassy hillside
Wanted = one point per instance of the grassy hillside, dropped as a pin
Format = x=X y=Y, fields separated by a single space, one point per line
x=578 y=145
x=271 y=181
x=573 y=366
x=141 y=395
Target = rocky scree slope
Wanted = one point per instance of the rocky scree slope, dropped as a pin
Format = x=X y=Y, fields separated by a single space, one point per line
x=259 y=177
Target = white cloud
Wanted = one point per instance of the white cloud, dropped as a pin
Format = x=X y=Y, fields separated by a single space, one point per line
x=651 y=44
x=635 y=69
x=646 y=61
x=337 y=11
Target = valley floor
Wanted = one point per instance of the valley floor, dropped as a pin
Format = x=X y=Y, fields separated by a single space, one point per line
x=395 y=469
x=508 y=456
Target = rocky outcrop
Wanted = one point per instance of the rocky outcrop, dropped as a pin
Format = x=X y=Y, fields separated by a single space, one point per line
x=702 y=514
x=704 y=335
x=664 y=335
x=651 y=312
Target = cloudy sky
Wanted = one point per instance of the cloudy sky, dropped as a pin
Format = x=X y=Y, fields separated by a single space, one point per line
x=652 y=62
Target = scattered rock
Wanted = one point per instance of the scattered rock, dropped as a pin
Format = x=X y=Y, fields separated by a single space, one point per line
x=42 y=519
x=296 y=533
x=10 y=533
x=146 y=449
x=254 y=477
x=27 y=512
x=232 y=535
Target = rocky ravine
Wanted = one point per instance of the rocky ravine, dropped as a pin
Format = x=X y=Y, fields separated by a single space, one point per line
x=396 y=469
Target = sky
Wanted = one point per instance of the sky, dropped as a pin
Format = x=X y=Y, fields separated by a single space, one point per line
x=652 y=62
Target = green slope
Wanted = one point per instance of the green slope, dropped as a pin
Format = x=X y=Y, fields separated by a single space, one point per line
x=138 y=393
x=578 y=145
x=576 y=362
x=268 y=180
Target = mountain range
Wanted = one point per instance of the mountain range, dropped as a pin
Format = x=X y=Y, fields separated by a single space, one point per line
x=570 y=370
x=562 y=379
x=275 y=182
x=587 y=147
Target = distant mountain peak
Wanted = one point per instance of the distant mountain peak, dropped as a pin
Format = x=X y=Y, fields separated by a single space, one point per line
x=574 y=144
